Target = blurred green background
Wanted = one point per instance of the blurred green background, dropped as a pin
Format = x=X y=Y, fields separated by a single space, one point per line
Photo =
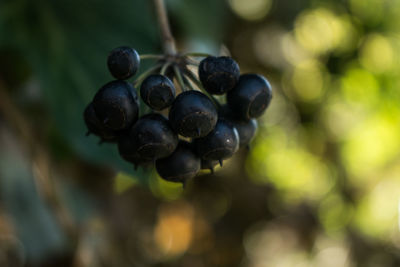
x=319 y=187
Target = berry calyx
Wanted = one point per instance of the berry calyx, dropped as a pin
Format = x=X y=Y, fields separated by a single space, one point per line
x=193 y=114
x=152 y=137
x=250 y=97
x=209 y=164
x=220 y=143
x=181 y=165
x=157 y=91
x=123 y=62
x=116 y=105
x=218 y=74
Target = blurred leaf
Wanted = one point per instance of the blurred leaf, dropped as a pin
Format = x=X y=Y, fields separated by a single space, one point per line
x=67 y=43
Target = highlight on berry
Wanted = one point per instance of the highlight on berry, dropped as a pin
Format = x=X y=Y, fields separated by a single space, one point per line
x=198 y=111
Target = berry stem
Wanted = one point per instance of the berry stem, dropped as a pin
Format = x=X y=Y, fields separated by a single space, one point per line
x=166 y=35
x=143 y=76
x=195 y=54
x=151 y=56
x=179 y=77
x=187 y=82
x=194 y=79
x=164 y=68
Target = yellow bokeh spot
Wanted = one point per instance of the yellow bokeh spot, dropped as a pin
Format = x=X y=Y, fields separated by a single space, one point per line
x=308 y=80
x=165 y=189
x=359 y=85
x=251 y=10
x=377 y=54
x=290 y=167
x=123 y=181
x=173 y=232
x=377 y=213
x=371 y=145
x=370 y=11
x=320 y=30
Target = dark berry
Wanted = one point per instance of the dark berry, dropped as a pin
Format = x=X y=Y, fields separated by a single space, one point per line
x=123 y=62
x=128 y=151
x=116 y=105
x=152 y=137
x=209 y=164
x=218 y=74
x=220 y=144
x=246 y=129
x=181 y=165
x=157 y=91
x=192 y=114
x=96 y=127
x=250 y=97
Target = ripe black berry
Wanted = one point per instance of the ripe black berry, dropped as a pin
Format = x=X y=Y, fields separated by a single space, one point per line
x=218 y=74
x=192 y=114
x=250 y=97
x=95 y=126
x=123 y=62
x=116 y=105
x=152 y=137
x=220 y=144
x=181 y=165
x=128 y=152
x=246 y=129
x=157 y=91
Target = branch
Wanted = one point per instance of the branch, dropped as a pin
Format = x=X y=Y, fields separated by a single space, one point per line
x=166 y=36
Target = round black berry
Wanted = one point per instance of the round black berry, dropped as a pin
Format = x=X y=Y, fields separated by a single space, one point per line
x=128 y=152
x=220 y=144
x=116 y=105
x=246 y=129
x=250 y=97
x=192 y=114
x=96 y=127
x=123 y=62
x=152 y=137
x=218 y=74
x=157 y=91
x=181 y=165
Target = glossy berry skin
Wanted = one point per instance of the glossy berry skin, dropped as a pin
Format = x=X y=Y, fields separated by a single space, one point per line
x=181 y=165
x=128 y=151
x=192 y=114
x=116 y=105
x=246 y=129
x=220 y=144
x=96 y=127
x=157 y=91
x=123 y=62
x=152 y=137
x=250 y=97
x=218 y=74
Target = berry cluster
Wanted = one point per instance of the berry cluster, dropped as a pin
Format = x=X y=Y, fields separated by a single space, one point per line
x=187 y=129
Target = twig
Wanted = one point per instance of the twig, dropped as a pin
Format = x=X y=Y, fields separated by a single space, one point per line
x=179 y=77
x=166 y=36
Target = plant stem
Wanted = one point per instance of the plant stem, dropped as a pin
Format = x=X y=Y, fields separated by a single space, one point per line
x=151 y=56
x=195 y=54
x=166 y=36
x=180 y=79
x=146 y=73
x=194 y=79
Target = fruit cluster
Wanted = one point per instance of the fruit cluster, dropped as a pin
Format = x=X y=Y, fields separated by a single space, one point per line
x=197 y=131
